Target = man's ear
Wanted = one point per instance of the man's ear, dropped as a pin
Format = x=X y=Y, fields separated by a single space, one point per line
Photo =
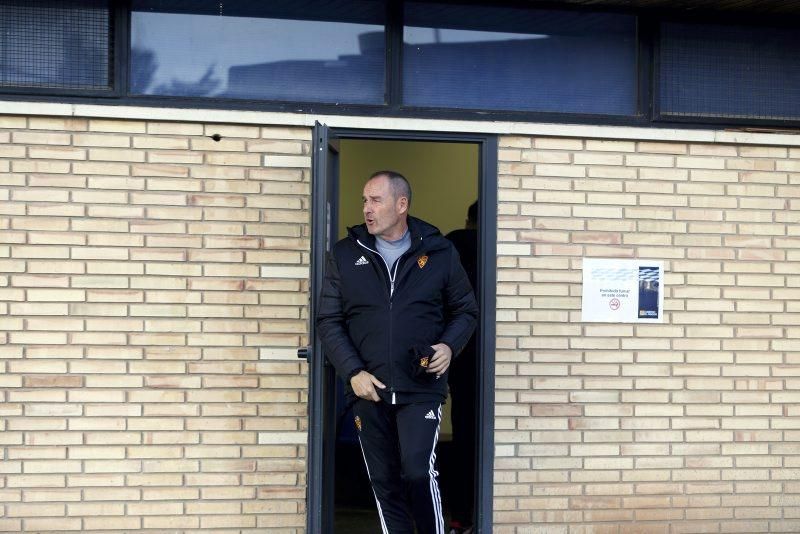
x=402 y=204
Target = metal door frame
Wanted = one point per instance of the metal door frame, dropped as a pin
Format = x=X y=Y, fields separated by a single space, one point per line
x=320 y=506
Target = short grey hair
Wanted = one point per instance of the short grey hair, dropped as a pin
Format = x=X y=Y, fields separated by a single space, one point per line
x=398 y=182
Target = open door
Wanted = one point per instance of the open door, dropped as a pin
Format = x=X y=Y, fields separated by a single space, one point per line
x=322 y=378
x=324 y=401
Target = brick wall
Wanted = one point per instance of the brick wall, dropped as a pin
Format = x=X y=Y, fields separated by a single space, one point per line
x=154 y=287
x=688 y=426
x=153 y=291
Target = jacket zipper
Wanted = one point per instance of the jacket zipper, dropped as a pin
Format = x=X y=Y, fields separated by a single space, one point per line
x=391 y=294
x=388 y=270
x=407 y=266
x=392 y=278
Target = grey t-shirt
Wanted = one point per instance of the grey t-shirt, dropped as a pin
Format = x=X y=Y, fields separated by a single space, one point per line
x=391 y=250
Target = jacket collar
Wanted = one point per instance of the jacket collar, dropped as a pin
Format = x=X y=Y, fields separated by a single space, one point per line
x=421 y=232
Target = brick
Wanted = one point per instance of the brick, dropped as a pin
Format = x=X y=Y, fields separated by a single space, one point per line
x=121 y=126
x=754 y=165
x=700 y=162
x=10 y=151
x=224 y=145
x=102 y=168
x=762 y=151
x=286 y=132
x=57 y=152
x=104 y=523
x=254 y=160
x=51 y=495
x=232 y=130
x=51 y=524
x=161 y=142
x=591 y=158
x=227 y=521
x=174 y=128
x=159 y=169
x=56 y=210
x=174 y=156
x=97 y=182
x=276 y=146
x=40 y=138
x=713 y=176
x=100 y=197
x=40 y=281
x=56 y=295
x=12 y=122
x=39 y=252
x=574 y=171
x=214 y=186
x=101 y=140
x=232 y=173
x=662 y=148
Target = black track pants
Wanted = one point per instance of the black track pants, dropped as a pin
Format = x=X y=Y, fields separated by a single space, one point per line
x=399 y=446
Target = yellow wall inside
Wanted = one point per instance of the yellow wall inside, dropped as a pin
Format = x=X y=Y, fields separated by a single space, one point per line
x=443 y=178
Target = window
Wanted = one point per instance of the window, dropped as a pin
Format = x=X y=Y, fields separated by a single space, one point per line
x=729 y=71
x=501 y=58
x=312 y=51
x=461 y=58
x=64 y=44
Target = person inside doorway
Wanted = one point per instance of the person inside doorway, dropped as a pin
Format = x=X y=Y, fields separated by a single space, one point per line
x=395 y=307
x=463 y=388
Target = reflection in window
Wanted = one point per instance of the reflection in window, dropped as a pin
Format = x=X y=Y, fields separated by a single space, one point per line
x=310 y=51
x=729 y=71
x=63 y=44
x=500 y=58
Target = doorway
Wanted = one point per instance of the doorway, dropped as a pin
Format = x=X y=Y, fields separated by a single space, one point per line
x=447 y=174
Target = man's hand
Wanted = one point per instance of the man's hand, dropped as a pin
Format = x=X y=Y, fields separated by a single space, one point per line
x=364 y=385
x=440 y=361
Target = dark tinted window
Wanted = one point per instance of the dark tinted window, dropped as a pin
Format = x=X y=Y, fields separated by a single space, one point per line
x=55 y=43
x=311 y=51
x=729 y=71
x=504 y=58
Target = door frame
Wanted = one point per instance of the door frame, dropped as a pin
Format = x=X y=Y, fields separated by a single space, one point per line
x=319 y=513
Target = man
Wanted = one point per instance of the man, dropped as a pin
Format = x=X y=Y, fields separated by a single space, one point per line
x=463 y=392
x=395 y=308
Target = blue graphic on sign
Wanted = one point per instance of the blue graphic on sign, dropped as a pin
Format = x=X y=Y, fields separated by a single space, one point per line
x=649 y=286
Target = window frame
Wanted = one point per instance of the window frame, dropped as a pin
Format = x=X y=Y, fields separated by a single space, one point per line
x=648 y=112
x=393 y=105
x=116 y=44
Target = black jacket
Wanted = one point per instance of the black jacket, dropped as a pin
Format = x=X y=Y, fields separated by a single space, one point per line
x=367 y=321
x=462 y=377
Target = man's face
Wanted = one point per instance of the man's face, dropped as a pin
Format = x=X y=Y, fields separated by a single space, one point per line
x=384 y=214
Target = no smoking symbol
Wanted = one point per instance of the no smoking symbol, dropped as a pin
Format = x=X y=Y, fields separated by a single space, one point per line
x=614 y=304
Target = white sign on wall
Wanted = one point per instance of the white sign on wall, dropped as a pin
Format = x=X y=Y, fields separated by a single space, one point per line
x=622 y=291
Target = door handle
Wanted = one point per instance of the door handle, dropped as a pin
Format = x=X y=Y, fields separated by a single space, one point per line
x=304 y=353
